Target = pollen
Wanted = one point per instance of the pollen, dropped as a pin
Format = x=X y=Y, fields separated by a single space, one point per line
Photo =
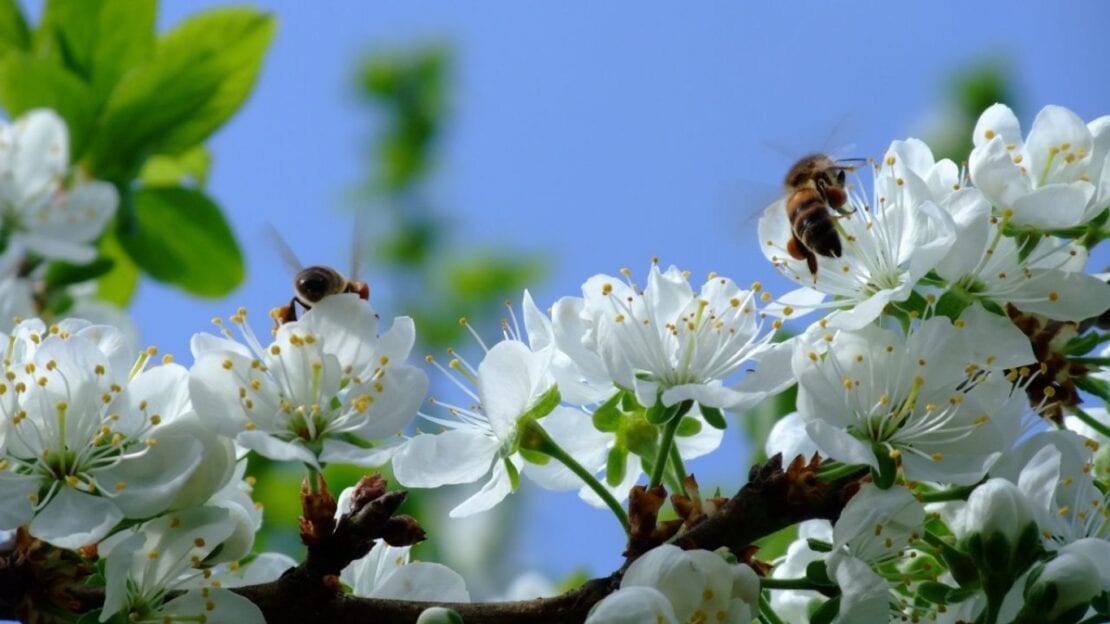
x=787 y=311
x=757 y=286
x=275 y=350
x=309 y=339
x=606 y=288
x=155 y=419
x=152 y=442
x=1018 y=158
x=1049 y=391
x=734 y=302
x=152 y=555
x=776 y=324
x=812 y=355
x=1053 y=296
x=199 y=542
x=250 y=426
x=619 y=318
x=120 y=486
x=167 y=358
x=899 y=181
x=937 y=456
x=848 y=384
x=71 y=481
x=989 y=134
x=890 y=161
x=959 y=323
x=982 y=420
x=765 y=297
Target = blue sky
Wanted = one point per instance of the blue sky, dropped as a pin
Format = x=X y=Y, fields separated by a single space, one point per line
x=603 y=135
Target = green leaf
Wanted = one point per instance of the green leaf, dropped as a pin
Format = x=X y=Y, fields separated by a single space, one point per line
x=99 y=40
x=61 y=274
x=200 y=74
x=233 y=40
x=27 y=82
x=118 y=285
x=181 y=237
x=189 y=168
x=14 y=35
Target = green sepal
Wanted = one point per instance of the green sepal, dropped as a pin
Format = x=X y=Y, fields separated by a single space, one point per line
x=817 y=545
x=687 y=427
x=607 y=417
x=936 y=592
x=355 y=440
x=887 y=471
x=616 y=464
x=714 y=417
x=818 y=573
x=827 y=612
x=514 y=474
x=953 y=303
x=535 y=457
x=544 y=405
x=659 y=414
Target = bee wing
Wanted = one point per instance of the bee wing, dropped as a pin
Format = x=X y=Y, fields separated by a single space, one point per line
x=358 y=238
x=283 y=248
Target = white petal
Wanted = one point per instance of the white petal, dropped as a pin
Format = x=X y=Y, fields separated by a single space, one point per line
x=269 y=446
x=633 y=605
x=1053 y=205
x=1055 y=126
x=14 y=490
x=217 y=606
x=1063 y=295
x=572 y=430
x=836 y=443
x=74 y=519
x=154 y=479
x=998 y=120
x=337 y=451
x=494 y=491
x=455 y=456
x=423 y=582
x=510 y=378
x=789 y=437
x=402 y=390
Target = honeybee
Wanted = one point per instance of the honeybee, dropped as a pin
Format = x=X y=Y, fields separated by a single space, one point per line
x=815 y=184
x=311 y=284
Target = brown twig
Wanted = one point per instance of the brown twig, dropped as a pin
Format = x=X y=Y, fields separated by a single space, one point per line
x=773 y=499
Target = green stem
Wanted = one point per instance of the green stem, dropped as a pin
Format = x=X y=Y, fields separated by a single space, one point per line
x=660 y=465
x=949 y=494
x=766 y=613
x=1091 y=421
x=836 y=470
x=535 y=438
x=313 y=478
x=679 y=469
x=1096 y=361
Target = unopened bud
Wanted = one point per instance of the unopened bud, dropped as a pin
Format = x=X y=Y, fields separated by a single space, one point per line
x=439 y=615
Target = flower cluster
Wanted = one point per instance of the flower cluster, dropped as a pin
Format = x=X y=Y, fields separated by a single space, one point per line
x=961 y=338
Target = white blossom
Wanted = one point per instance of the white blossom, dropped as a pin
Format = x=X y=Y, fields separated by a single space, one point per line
x=88 y=439
x=668 y=584
x=328 y=389
x=42 y=214
x=1057 y=177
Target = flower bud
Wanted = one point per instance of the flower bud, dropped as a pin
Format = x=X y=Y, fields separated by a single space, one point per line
x=1068 y=582
x=994 y=523
x=439 y=615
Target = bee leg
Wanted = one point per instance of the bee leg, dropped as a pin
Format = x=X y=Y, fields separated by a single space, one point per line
x=796 y=250
x=285 y=314
x=811 y=262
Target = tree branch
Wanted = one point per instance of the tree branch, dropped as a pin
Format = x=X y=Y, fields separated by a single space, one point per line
x=772 y=499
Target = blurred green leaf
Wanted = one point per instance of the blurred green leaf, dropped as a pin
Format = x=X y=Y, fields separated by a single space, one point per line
x=199 y=76
x=190 y=168
x=14 y=35
x=27 y=82
x=118 y=285
x=409 y=88
x=61 y=274
x=181 y=237
x=99 y=40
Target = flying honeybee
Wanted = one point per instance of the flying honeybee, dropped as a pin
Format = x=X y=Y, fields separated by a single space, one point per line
x=311 y=284
x=814 y=185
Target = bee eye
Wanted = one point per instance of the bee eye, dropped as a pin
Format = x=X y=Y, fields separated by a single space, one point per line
x=315 y=283
x=840 y=177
